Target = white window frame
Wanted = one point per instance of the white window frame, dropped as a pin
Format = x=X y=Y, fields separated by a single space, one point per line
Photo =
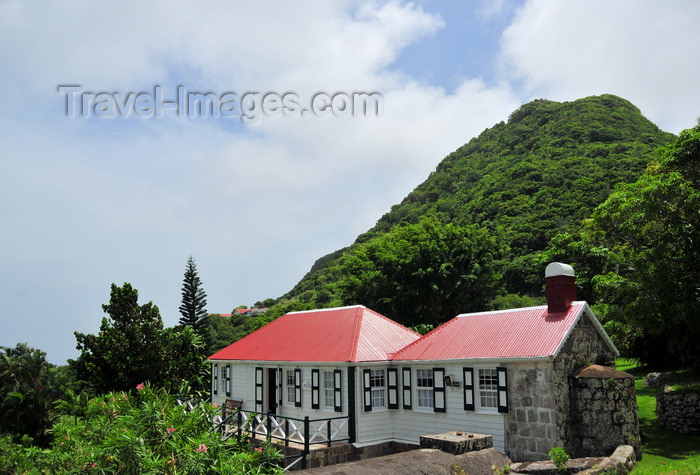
x=222 y=379
x=328 y=388
x=377 y=378
x=289 y=396
x=424 y=393
x=486 y=392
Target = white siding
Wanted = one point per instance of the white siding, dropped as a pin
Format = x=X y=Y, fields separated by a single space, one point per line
x=243 y=387
x=408 y=425
x=380 y=424
x=242 y=384
x=305 y=409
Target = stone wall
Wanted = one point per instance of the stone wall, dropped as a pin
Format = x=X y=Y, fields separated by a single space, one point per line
x=603 y=412
x=584 y=346
x=679 y=412
x=540 y=396
x=530 y=423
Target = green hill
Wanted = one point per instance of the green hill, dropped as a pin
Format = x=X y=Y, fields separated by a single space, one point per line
x=472 y=231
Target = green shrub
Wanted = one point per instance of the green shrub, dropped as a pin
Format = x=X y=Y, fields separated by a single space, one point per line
x=559 y=457
x=144 y=432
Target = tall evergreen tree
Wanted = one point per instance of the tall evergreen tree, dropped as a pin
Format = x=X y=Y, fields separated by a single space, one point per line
x=194 y=300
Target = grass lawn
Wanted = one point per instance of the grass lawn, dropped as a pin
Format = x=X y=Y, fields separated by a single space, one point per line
x=663 y=451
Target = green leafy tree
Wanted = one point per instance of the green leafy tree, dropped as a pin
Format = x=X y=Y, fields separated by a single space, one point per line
x=132 y=346
x=653 y=230
x=219 y=332
x=425 y=272
x=194 y=299
x=28 y=387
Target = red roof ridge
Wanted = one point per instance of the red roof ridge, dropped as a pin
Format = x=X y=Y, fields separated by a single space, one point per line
x=357 y=329
x=448 y=340
x=328 y=309
x=507 y=310
x=434 y=330
x=393 y=322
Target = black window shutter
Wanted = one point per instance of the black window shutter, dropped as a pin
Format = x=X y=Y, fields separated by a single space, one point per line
x=337 y=390
x=406 y=380
x=297 y=387
x=215 y=379
x=439 y=389
x=468 y=388
x=314 y=389
x=280 y=376
x=367 y=385
x=502 y=389
x=393 y=387
x=259 y=389
x=228 y=380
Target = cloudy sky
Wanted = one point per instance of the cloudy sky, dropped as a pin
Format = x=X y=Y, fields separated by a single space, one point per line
x=90 y=200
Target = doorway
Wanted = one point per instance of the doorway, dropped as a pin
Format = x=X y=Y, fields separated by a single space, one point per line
x=272 y=396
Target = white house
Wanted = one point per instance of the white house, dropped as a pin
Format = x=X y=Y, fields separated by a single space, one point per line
x=504 y=373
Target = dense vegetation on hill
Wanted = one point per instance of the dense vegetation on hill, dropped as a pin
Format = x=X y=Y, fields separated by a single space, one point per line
x=520 y=182
x=640 y=251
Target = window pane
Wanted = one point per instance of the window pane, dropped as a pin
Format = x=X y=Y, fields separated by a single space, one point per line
x=488 y=385
x=290 y=385
x=328 y=397
x=424 y=382
x=378 y=387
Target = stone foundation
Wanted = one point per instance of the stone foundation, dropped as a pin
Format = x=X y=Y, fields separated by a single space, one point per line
x=456 y=442
x=322 y=456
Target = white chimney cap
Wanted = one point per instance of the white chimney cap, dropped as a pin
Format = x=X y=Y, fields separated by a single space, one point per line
x=557 y=268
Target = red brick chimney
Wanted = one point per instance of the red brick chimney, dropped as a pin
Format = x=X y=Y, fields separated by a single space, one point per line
x=560 y=282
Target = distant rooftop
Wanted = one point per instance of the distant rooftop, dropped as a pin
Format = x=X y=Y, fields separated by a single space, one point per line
x=249 y=312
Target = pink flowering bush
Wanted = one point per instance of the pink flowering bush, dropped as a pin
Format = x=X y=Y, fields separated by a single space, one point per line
x=147 y=432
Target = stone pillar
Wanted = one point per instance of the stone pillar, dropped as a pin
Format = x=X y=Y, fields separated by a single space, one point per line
x=603 y=412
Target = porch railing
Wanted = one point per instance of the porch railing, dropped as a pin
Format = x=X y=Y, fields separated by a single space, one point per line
x=285 y=430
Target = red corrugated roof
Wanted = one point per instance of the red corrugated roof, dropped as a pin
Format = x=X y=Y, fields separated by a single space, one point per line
x=516 y=333
x=336 y=334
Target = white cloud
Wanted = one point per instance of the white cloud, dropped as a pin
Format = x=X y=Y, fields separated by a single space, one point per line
x=641 y=50
x=101 y=201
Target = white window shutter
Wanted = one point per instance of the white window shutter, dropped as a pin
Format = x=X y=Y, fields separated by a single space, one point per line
x=367 y=385
x=439 y=389
x=259 y=372
x=228 y=380
x=502 y=389
x=337 y=390
x=280 y=376
x=297 y=387
x=393 y=387
x=406 y=379
x=315 y=389
x=468 y=388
